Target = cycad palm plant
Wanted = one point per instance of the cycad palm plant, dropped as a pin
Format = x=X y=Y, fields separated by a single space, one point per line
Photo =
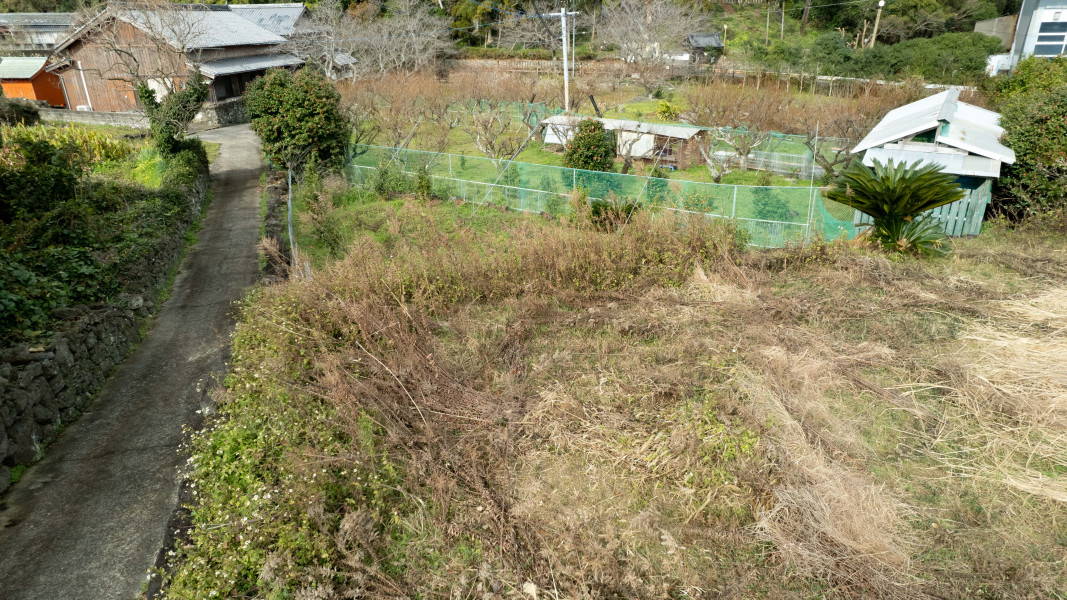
x=896 y=196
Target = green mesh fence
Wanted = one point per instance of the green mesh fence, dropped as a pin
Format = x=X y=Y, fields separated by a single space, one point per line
x=772 y=216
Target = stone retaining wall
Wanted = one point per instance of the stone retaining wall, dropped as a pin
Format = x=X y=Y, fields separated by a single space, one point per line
x=221 y=114
x=125 y=119
x=46 y=386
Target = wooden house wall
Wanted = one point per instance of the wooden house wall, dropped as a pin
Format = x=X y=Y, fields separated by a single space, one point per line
x=105 y=86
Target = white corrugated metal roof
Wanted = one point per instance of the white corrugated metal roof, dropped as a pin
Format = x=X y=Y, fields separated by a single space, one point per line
x=957 y=124
x=276 y=18
x=907 y=120
x=246 y=64
x=975 y=138
x=21 y=67
x=674 y=131
x=195 y=28
x=955 y=163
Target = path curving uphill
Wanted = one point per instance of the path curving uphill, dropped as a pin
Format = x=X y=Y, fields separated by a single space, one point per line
x=88 y=520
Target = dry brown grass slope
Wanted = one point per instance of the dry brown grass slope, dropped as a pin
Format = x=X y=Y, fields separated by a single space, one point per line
x=652 y=413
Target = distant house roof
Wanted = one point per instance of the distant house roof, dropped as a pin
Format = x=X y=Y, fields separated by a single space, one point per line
x=276 y=18
x=192 y=26
x=954 y=123
x=38 y=21
x=674 y=131
x=245 y=64
x=21 y=67
x=704 y=40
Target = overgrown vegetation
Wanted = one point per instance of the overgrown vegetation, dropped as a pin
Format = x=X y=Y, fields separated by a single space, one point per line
x=170 y=117
x=465 y=407
x=1033 y=100
x=69 y=237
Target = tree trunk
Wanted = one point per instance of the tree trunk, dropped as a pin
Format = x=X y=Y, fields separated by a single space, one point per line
x=804 y=18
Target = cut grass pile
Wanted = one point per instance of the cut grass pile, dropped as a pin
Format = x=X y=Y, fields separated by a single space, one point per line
x=533 y=408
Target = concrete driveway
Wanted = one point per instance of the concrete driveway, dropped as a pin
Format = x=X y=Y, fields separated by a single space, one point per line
x=89 y=519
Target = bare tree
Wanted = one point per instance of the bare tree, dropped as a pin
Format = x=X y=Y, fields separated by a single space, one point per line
x=328 y=39
x=750 y=115
x=718 y=162
x=407 y=37
x=358 y=103
x=839 y=131
x=171 y=37
x=397 y=111
x=649 y=34
x=495 y=132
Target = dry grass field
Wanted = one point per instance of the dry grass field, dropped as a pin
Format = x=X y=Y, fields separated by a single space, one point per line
x=501 y=406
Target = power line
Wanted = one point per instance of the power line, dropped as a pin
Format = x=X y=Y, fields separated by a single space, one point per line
x=800 y=8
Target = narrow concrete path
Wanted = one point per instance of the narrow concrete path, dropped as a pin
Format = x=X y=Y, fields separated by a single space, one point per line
x=88 y=520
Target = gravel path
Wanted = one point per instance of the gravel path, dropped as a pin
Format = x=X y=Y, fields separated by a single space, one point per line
x=89 y=519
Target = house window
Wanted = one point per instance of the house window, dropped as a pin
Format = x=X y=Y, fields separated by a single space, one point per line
x=1048 y=49
x=1049 y=27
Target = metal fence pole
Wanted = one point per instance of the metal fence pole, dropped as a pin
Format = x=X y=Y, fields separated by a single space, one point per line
x=733 y=212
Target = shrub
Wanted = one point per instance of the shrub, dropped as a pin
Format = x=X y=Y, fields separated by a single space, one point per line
x=35 y=175
x=169 y=118
x=18 y=112
x=591 y=149
x=1032 y=74
x=298 y=117
x=668 y=111
x=1035 y=124
x=895 y=195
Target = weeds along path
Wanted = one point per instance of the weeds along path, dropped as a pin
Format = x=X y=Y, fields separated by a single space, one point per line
x=89 y=519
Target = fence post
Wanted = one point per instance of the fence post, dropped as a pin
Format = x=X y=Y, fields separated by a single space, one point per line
x=733 y=212
x=450 y=174
x=574 y=179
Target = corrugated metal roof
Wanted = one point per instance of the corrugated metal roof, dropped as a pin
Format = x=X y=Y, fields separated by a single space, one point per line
x=957 y=124
x=21 y=67
x=907 y=120
x=956 y=163
x=200 y=27
x=674 y=131
x=37 y=21
x=246 y=64
x=704 y=40
x=276 y=18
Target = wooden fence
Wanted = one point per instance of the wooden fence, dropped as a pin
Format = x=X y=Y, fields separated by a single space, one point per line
x=963 y=217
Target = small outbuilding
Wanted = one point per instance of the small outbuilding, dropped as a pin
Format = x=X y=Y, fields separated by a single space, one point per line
x=704 y=48
x=964 y=139
x=26 y=77
x=674 y=146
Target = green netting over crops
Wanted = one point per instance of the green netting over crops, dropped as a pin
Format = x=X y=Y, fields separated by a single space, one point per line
x=773 y=216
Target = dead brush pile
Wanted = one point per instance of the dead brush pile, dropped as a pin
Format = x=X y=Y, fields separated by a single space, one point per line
x=550 y=411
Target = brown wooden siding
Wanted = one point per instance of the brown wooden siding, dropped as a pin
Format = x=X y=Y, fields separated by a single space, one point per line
x=106 y=84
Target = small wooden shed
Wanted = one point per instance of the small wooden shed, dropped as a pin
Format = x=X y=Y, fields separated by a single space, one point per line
x=962 y=138
x=26 y=77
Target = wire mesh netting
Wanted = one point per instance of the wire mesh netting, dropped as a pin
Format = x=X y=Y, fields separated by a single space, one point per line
x=772 y=216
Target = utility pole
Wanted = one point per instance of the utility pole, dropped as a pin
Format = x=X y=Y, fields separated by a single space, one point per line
x=562 y=14
x=781 y=5
x=877 y=18
x=767 y=31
